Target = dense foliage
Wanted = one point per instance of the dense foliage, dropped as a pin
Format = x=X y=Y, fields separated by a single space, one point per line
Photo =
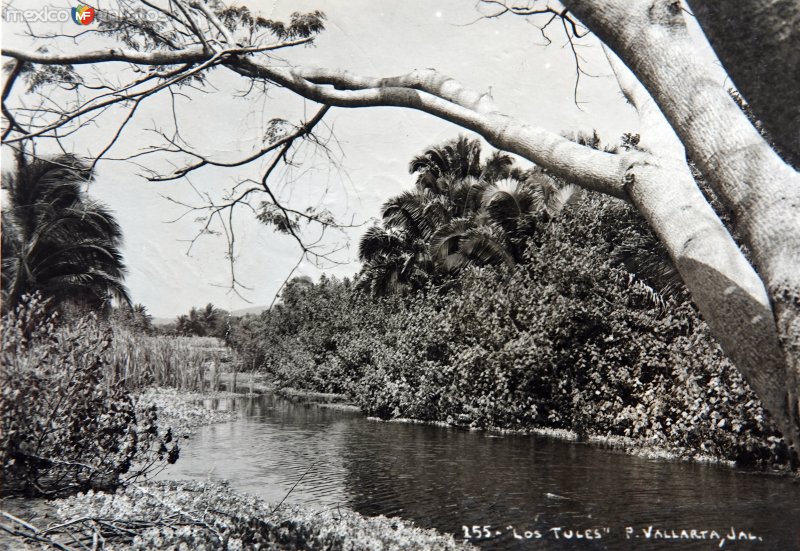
x=569 y=339
x=65 y=428
x=135 y=319
x=207 y=321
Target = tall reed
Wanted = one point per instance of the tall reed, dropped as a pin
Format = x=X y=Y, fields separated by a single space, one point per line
x=137 y=361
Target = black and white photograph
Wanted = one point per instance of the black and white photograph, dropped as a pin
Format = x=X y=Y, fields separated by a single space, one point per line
x=400 y=275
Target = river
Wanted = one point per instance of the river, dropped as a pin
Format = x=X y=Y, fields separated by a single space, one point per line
x=503 y=491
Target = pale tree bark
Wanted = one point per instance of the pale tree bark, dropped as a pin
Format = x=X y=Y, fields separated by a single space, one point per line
x=725 y=287
x=756 y=324
x=766 y=76
x=762 y=191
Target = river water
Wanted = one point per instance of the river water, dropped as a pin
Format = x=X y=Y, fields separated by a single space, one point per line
x=503 y=491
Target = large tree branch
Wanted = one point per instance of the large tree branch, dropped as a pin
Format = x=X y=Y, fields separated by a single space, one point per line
x=592 y=169
x=158 y=57
x=425 y=80
x=426 y=91
x=762 y=191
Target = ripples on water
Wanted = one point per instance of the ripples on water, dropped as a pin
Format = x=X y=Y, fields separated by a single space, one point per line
x=449 y=478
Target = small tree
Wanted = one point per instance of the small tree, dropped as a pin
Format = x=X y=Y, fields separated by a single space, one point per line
x=136 y=318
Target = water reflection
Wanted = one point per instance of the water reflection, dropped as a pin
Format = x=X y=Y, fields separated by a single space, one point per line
x=449 y=478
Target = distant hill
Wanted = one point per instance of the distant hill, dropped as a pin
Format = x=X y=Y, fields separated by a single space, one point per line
x=162 y=321
x=255 y=310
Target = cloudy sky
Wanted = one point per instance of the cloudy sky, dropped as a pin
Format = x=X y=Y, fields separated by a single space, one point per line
x=371 y=147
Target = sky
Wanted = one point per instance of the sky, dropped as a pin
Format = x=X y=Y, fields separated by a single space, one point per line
x=506 y=57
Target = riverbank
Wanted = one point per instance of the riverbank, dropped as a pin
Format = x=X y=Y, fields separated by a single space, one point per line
x=177 y=515
x=613 y=442
x=618 y=443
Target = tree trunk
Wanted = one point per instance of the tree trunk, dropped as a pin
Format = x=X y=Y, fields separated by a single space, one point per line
x=761 y=190
x=758 y=43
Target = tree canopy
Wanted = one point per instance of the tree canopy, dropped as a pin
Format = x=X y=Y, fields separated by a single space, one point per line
x=463 y=212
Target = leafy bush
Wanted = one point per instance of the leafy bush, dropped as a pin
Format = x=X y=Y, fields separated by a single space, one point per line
x=570 y=339
x=64 y=427
x=297 y=339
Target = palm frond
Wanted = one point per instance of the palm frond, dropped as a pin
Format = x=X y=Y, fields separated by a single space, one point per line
x=446 y=240
x=63 y=243
x=376 y=242
x=561 y=198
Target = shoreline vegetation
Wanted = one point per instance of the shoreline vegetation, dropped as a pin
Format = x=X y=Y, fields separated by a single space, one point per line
x=491 y=298
x=620 y=443
x=627 y=445
x=569 y=342
x=209 y=515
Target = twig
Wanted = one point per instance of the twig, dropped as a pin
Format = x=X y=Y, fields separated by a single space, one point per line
x=35 y=535
x=293 y=487
x=19 y=521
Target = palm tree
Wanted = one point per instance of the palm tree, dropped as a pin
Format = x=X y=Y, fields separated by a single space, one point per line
x=210 y=318
x=451 y=180
x=56 y=240
x=141 y=320
x=395 y=261
x=462 y=212
x=182 y=325
x=458 y=158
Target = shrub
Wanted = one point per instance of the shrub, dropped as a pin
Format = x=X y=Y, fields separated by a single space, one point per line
x=64 y=427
